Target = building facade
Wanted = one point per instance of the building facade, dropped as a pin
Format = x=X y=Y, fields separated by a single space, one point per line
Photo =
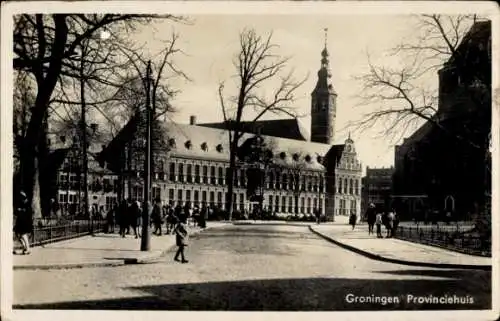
x=444 y=166
x=191 y=162
x=377 y=188
x=348 y=181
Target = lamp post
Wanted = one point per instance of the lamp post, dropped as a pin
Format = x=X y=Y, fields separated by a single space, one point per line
x=146 y=236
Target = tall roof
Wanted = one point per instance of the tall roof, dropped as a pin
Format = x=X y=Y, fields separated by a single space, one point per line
x=204 y=142
x=285 y=128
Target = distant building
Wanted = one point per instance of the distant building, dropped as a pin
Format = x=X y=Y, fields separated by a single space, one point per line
x=191 y=161
x=377 y=188
x=443 y=166
x=65 y=177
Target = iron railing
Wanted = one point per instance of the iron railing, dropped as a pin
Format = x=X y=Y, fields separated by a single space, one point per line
x=60 y=231
x=459 y=239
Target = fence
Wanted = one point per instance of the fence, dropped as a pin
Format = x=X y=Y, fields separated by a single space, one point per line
x=59 y=231
x=459 y=239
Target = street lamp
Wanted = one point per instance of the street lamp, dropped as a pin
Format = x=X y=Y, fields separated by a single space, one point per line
x=146 y=237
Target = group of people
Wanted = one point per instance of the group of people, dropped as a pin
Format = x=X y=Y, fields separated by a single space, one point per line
x=389 y=219
x=128 y=216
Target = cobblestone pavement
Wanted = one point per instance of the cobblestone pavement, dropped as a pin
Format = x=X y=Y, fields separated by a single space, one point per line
x=254 y=267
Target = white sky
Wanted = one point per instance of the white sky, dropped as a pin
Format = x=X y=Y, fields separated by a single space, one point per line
x=211 y=42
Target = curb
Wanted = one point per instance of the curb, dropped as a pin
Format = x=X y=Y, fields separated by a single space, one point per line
x=403 y=262
x=122 y=262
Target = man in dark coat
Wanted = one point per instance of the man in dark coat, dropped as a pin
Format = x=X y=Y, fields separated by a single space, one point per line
x=156 y=217
x=24 y=222
x=122 y=217
x=371 y=215
x=135 y=218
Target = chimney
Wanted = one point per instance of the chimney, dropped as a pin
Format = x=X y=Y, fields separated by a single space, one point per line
x=192 y=120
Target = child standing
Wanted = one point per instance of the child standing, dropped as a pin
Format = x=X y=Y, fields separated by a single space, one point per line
x=181 y=238
x=378 y=223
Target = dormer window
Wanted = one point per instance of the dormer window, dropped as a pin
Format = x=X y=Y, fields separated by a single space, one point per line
x=319 y=159
x=282 y=155
x=296 y=157
x=188 y=144
x=219 y=148
x=204 y=147
x=171 y=142
x=308 y=158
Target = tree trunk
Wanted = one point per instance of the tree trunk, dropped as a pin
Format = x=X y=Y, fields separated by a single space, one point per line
x=36 y=199
x=230 y=180
x=45 y=85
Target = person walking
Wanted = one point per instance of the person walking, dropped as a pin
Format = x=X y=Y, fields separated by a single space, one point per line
x=378 y=223
x=24 y=222
x=135 y=216
x=181 y=239
x=371 y=217
x=352 y=220
x=395 y=222
x=390 y=224
x=156 y=217
x=110 y=218
x=122 y=217
x=387 y=221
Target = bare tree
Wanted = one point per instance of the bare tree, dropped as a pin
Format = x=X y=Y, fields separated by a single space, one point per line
x=257 y=67
x=44 y=47
x=403 y=102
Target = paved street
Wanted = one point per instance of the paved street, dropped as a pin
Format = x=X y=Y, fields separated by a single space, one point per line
x=252 y=267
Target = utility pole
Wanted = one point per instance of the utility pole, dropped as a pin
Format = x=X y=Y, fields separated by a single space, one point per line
x=146 y=236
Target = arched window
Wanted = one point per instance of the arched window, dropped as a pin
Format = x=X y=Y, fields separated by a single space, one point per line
x=283 y=204
x=221 y=176
x=308 y=205
x=351 y=186
x=271 y=180
x=205 y=174
x=290 y=204
x=172 y=172
x=181 y=172
x=197 y=173
x=339 y=185
x=189 y=173
x=345 y=185
x=213 y=179
x=284 y=181
x=277 y=203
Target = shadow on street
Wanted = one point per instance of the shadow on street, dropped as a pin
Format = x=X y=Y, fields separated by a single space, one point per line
x=310 y=294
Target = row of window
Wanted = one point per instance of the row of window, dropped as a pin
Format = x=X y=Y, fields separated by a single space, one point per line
x=348 y=186
x=274 y=203
x=216 y=176
x=346 y=209
x=283 y=204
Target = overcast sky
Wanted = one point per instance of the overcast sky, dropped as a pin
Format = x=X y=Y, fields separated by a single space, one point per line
x=211 y=42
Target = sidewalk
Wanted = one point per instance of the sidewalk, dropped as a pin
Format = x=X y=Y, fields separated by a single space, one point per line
x=99 y=250
x=398 y=251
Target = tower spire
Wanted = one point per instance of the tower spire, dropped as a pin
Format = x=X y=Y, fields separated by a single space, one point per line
x=326 y=37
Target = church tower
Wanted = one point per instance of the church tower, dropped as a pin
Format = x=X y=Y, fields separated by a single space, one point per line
x=323 y=103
